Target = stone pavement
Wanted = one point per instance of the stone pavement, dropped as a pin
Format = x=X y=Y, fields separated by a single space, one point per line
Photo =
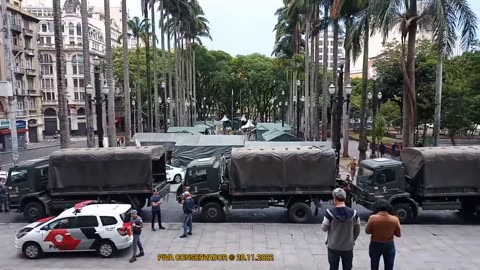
x=294 y=246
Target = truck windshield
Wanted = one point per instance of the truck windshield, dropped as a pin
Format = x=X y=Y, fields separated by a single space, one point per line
x=366 y=175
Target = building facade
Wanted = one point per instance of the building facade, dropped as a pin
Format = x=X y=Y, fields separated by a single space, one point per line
x=23 y=26
x=74 y=60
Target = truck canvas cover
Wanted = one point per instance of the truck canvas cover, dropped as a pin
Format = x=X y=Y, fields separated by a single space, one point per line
x=282 y=169
x=102 y=170
x=444 y=167
x=205 y=146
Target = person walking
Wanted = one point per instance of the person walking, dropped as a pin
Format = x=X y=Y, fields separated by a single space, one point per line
x=136 y=227
x=342 y=225
x=353 y=167
x=3 y=197
x=382 y=226
x=381 y=148
x=188 y=208
x=394 y=150
x=155 y=202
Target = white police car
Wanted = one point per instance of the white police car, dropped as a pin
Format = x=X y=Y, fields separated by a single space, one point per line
x=103 y=228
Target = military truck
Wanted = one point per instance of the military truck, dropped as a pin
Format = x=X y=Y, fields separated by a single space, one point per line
x=294 y=178
x=426 y=178
x=44 y=187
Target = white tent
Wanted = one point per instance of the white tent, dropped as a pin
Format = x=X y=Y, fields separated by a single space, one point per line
x=249 y=124
x=224 y=119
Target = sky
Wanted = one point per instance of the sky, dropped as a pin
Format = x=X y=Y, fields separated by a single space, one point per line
x=244 y=26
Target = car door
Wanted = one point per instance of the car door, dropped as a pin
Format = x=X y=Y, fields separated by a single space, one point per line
x=57 y=235
x=108 y=230
x=168 y=171
x=88 y=230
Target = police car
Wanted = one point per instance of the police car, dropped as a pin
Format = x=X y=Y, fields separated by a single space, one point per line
x=88 y=226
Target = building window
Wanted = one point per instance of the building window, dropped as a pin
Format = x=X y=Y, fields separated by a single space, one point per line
x=47 y=84
x=77 y=64
x=28 y=43
x=28 y=61
x=20 y=105
x=71 y=29
x=78 y=83
x=30 y=84
x=31 y=104
x=48 y=96
x=46 y=64
x=44 y=27
x=79 y=29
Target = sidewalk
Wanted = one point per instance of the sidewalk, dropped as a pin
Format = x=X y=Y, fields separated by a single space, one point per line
x=294 y=246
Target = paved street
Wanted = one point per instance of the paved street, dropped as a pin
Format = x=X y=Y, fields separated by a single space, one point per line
x=36 y=150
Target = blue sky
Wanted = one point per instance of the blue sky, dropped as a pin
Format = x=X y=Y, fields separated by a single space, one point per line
x=244 y=26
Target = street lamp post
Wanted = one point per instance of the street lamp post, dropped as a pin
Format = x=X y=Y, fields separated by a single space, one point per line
x=134 y=117
x=374 y=102
x=283 y=107
x=96 y=97
x=338 y=101
x=165 y=124
x=298 y=108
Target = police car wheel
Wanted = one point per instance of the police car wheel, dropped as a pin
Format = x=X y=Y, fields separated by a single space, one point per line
x=106 y=249
x=32 y=250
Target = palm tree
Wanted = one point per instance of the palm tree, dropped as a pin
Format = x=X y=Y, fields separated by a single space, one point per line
x=87 y=74
x=164 y=61
x=138 y=29
x=324 y=25
x=126 y=73
x=112 y=135
x=60 y=60
x=146 y=39
x=357 y=39
x=155 y=103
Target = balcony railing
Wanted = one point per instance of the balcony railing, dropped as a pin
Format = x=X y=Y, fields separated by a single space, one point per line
x=31 y=72
x=28 y=31
x=50 y=102
x=16 y=27
x=17 y=48
x=19 y=70
x=30 y=51
x=21 y=113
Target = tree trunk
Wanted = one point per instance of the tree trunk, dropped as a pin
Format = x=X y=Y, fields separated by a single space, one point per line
x=316 y=88
x=138 y=91
x=194 y=71
x=155 y=102
x=170 y=80
x=346 y=111
x=311 y=118
x=63 y=111
x=307 y=82
x=409 y=115
x=325 y=94
x=164 y=65
x=362 y=147
x=438 y=102
x=177 y=80
x=148 y=63
x=126 y=75
x=87 y=73
x=335 y=119
x=112 y=135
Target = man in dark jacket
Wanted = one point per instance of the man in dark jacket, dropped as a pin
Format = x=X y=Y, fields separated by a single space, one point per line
x=155 y=201
x=343 y=226
x=188 y=207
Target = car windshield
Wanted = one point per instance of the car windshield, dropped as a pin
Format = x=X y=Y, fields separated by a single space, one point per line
x=365 y=175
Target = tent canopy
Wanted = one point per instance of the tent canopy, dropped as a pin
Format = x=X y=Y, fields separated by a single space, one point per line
x=443 y=167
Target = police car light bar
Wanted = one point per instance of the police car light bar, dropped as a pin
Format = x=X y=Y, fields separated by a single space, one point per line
x=78 y=207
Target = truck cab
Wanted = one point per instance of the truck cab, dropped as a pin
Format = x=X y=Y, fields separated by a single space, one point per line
x=383 y=178
x=26 y=180
x=202 y=177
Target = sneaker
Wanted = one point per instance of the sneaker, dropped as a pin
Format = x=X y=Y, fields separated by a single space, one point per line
x=183 y=236
x=141 y=254
x=189 y=233
x=132 y=260
x=162 y=228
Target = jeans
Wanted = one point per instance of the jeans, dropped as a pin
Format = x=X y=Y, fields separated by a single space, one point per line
x=3 y=203
x=187 y=223
x=136 y=242
x=156 y=214
x=377 y=250
x=334 y=257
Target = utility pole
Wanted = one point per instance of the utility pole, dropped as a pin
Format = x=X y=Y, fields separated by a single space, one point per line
x=12 y=108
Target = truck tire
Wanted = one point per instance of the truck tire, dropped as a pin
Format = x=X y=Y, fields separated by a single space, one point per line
x=34 y=211
x=213 y=212
x=299 y=212
x=404 y=212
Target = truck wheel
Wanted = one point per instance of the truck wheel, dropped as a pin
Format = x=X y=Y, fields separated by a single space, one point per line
x=404 y=212
x=33 y=211
x=299 y=212
x=213 y=212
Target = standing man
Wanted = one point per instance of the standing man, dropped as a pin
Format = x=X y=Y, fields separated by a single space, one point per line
x=343 y=227
x=394 y=149
x=137 y=225
x=3 y=197
x=382 y=149
x=188 y=208
x=353 y=167
x=155 y=201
